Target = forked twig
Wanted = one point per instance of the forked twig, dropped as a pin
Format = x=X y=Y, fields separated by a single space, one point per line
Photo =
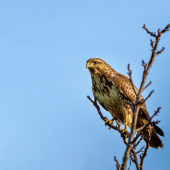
x=151 y=33
x=143 y=101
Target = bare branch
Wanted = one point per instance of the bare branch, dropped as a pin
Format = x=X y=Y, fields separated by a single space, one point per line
x=129 y=164
x=136 y=162
x=156 y=122
x=152 y=43
x=142 y=156
x=117 y=163
x=147 y=85
x=159 y=52
x=143 y=101
x=97 y=106
x=132 y=157
x=151 y=33
x=144 y=65
x=139 y=129
x=139 y=141
x=166 y=29
x=130 y=77
x=139 y=150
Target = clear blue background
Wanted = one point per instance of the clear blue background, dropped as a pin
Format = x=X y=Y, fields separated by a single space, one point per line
x=46 y=120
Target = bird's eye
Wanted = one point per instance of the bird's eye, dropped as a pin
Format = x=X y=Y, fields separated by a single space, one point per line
x=95 y=62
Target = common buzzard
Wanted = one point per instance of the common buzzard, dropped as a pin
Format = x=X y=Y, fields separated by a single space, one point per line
x=111 y=90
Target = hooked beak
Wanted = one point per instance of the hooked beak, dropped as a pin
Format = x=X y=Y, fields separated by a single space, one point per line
x=89 y=65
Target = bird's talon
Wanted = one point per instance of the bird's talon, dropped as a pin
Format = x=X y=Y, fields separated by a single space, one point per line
x=125 y=132
x=108 y=121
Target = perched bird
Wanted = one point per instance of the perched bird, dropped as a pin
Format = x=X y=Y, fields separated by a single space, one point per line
x=111 y=89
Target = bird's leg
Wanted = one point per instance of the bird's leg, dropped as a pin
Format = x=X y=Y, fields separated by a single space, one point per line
x=125 y=131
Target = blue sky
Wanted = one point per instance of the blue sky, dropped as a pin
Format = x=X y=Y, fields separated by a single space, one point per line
x=46 y=120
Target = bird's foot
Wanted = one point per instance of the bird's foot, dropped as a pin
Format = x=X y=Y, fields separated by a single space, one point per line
x=108 y=121
x=125 y=132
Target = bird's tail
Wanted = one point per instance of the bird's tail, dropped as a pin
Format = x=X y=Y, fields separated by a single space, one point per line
x=155 y=141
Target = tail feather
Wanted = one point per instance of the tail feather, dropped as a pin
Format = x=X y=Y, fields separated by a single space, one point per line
x=158 y=130
x=155 y=141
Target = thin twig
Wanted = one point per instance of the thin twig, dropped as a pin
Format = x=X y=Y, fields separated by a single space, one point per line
x=139 y=150
x=152 y=43
x=151 y=33
x=159 y=52
x=117 y=163
x=130 y=78
x=138 y=141
x=136 y=162
x=139 y=129
x=147 y=85
x=133 y=160
x=129 y=164
x=142 y=156
x=156 y=122
x=97 y=106
x=166 y=29
x=143 y=101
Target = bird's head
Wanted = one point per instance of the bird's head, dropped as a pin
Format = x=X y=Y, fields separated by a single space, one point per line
x=97 y=66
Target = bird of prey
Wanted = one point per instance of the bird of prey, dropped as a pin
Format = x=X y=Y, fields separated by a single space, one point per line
x=111 y=89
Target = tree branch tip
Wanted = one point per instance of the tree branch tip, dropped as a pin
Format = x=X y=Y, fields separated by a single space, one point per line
x=152 y=43
x=166 y=29
x=159 y=108
x=144 y=63
x=128 y=66
x=90 y=99
x=158 y=52
x=151 y=33
x=130 y=71
x=117 y=163
x=156 y=122
x=147 y=85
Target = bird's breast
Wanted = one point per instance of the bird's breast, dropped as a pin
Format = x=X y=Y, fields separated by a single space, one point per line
x=107 y=94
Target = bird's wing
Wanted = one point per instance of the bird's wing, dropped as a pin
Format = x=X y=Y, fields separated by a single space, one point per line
x=125 y=87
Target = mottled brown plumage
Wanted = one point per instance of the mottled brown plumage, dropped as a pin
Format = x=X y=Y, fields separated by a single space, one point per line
x=111 y=90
